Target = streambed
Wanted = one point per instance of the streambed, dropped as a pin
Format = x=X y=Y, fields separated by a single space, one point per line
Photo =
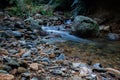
x=87 y=50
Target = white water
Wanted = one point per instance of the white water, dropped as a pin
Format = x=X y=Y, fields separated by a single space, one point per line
x=64 y=35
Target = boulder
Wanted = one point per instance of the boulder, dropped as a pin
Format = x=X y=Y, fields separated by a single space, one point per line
x=85 y=27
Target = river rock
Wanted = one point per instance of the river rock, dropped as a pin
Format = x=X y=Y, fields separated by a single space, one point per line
x=84 y=71
x=34 y=66
x=21 y=70
x=45 y=59
x=19 y=24
x=52 y=55
x=3 y=51
x=13 y=63
x=60 y=57
x=37 y=16
x=2 y=15
x=57 y=72
x=113 y=36
x=85 y=27
x=7 y=68
x=76 y=78
x=97 y=66
x=3 y=71
x=6 y=77
x=12 y=51
x=26 y=54
x=32 y=24
x=34 y=78
x=17 y=34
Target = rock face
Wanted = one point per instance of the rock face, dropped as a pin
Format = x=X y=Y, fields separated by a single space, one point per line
x=85 y=27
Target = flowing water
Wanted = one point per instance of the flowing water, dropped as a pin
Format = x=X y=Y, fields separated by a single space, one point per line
x=91 y=51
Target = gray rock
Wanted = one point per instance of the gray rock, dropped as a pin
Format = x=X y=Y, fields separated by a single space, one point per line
x=27 y=74
x=113 y=36
x=3 y=71
x=13 y=63
x=33 y=24
x=22 y=42
x=60 y=57
x=85 y=27
x=34 y=78
x=57 y=72
x=26 y=54
x=17 y=34
x=97 y=66
x=7 y=68
x=76 y=78
x=46 y=60
x=19 y=24
x=23 y=78
x=4 y=34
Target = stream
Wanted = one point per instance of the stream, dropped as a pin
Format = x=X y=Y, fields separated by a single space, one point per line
x=87 y=50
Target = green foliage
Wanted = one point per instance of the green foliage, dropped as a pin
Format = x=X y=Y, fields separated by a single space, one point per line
x=27 y=8
x=20 y=7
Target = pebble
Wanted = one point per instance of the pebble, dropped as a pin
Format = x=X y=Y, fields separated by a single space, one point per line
x=17 y=34
x=57 y=72
x=34 y=78
x=6 y=77
x=77 y=78
x=7 y=68
x=3 y=51
x=52 y=55
x=84 y=71
x=34 y=66
x=3 y=71
x=76 y=65
x=21 y=70
x=46 y=60
x=26 y=54
x=13 y=51
x=13 y=63
x=30 y=59
x=60 y=57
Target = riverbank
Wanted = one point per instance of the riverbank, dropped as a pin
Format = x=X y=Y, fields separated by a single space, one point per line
x=26 y=55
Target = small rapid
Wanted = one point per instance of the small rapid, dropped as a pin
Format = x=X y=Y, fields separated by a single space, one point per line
x=62 y=34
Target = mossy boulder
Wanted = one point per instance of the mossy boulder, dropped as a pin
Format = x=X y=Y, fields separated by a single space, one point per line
x=85 y=27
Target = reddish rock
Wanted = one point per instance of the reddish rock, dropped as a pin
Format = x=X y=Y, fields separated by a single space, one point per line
x=34 y=66
x=6 y=77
